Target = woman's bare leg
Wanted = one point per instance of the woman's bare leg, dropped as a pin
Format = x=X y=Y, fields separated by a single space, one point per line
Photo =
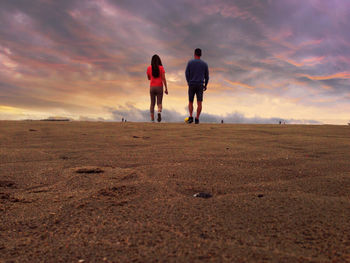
x=153 y=102
x=159 y=103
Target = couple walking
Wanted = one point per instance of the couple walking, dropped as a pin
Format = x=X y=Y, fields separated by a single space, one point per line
x=197 y=76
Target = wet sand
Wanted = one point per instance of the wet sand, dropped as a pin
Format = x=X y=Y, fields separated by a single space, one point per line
x=123 y=192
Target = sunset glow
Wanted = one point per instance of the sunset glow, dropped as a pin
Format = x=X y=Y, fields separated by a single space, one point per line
x=87 y=60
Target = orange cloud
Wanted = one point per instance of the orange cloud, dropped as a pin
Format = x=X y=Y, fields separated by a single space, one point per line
x=233 y=83
x=219 y=69
x=326 y=87
x=289 y=61
x=312 y=42
x=310 y=61
x=340 y=75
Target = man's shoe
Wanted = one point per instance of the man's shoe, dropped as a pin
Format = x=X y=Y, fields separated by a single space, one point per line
x=159 y=117
x=190 y=119
x=196 y=121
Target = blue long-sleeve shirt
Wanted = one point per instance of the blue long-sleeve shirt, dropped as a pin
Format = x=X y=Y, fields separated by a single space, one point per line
x=197 y=72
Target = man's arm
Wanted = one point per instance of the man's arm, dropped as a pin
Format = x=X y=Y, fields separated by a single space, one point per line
x=206 y=77
x=187 y=73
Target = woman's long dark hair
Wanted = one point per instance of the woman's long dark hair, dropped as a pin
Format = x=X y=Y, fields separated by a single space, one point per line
x=156 y=62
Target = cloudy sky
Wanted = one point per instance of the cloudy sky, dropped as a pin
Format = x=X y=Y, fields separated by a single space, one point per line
x=87 y=59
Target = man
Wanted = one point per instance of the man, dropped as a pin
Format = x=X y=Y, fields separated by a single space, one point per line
x=197 y=76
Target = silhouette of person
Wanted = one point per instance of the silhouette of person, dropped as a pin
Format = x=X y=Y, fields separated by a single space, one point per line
x=156 y=75
x=197 y=76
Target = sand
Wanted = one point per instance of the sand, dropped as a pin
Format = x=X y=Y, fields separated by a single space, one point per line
x=123 y=192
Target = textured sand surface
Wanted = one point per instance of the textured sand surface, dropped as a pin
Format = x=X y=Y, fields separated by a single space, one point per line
x=123 y=192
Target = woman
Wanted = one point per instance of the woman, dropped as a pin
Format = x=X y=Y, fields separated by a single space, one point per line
x=156 y=75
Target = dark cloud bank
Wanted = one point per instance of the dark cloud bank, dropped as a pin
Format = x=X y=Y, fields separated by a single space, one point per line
x=134 y=114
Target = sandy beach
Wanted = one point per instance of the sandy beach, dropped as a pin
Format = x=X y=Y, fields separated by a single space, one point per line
x=124 y=192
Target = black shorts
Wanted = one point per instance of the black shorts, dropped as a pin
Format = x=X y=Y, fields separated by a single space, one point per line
x=195 y=89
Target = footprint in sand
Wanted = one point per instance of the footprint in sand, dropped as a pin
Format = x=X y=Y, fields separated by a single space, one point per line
x=7 y=184
x=120 y=191
x=89 y=170
x=143 y=137
x=130 y=177
x=6 y=197
x=63 y=157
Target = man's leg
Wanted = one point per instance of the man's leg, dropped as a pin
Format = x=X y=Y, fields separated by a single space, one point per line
x=190 y=107
x=199 y=108
x=191 y=92
x=199 y=94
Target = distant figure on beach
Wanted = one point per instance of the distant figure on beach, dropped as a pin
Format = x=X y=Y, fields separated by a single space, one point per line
x=197 y=76
x=156 y=75
x=222 y=121
x=122 y=119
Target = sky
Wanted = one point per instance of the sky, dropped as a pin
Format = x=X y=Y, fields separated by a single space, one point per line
x=87 y=59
